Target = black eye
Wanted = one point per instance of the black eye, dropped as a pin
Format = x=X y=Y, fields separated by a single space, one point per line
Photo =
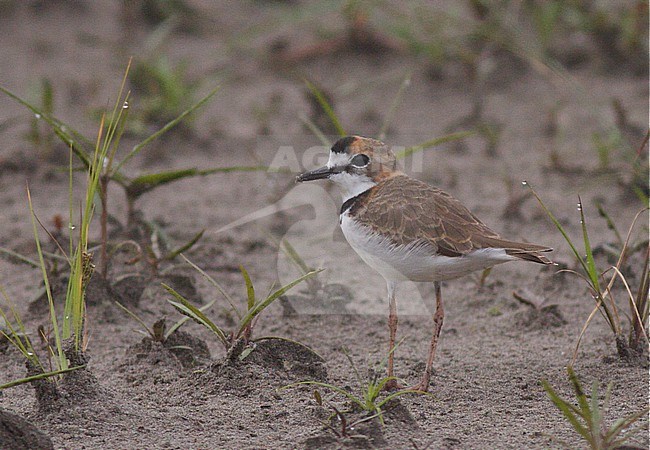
x=360 y=160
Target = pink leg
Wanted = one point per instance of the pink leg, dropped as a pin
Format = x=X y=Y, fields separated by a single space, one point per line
x=392 y=325
x=392 y=329
x=438 y=317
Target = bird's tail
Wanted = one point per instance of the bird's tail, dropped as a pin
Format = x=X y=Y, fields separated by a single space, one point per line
x=531 y=255
x=523 y=250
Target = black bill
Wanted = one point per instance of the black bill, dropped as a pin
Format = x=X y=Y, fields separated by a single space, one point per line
x=318 y=174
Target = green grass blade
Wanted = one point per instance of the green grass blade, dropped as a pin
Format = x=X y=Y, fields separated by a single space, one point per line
x=625 y=422
x=174 y=253
x=641 y=195
x=118 y=120
x=384 y=361
x=567 y=410
x=145 y=183
x=40 y=376
x=293 y=255
x=357 y=375
x=194 y=313
x=19 y=257
x=70 y=202
x=399 y=394
x=280 y=292
x=136 y=149
x=47 y=98
x=66 y=133
x=250 y=289
x=135 y=317
x=234 y=169
x=184 y=319
x=433 y=143
x=336 y=389
x=380 y=385
x=73 y=292
x=315 y=130
x=641 y=302
x=216 y=285
x=610 y=223
x=61 y=359
x=82 y=268
x=595 y=414
x=560 y=228
x=15 y=340
x=322 y=101
x=18 y=339
x=259 y=307
x=591 y=264
x=580 y=394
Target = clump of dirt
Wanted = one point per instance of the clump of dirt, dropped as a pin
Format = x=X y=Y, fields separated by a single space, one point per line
x=288 y=356
x=183 y=284
x=74 y=387
x=4 y=343
x=632 y=355
x=190 y=350
x=80 y=383
x=180 y=349
x=150 y=352
x=134 y=288
x=18 y=433
x=539 y=319
x=45 y=390
x=130 y=288
x=274 y=360
x=354 y=428
x=540 y=313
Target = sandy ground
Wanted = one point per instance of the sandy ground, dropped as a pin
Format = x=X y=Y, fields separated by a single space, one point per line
x=494 y=350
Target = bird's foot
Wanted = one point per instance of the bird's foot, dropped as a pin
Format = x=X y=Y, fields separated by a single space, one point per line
x=393 y=385
x=422 y=386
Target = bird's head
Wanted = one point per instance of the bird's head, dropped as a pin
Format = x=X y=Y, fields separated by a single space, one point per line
x=355 y=164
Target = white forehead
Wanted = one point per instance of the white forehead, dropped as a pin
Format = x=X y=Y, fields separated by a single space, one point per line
x=338 y=159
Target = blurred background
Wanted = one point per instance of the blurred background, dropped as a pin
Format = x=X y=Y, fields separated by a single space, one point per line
x=555 y=92
x=551 y=92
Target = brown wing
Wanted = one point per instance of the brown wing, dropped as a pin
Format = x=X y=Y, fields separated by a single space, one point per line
x=412 y=211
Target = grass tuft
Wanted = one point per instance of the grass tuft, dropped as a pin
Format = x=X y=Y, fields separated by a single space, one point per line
x=370 y=389
x=237 y=339
x=588 y=418
x=600 y=285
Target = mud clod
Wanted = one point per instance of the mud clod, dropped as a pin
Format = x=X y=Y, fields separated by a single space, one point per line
x=17 y=433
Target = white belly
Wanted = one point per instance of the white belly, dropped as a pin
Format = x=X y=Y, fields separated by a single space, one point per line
x=414 y=262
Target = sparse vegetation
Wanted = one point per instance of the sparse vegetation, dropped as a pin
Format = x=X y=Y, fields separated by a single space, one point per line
x=81 y=268
x=166 y=93
x=600 y=284
x=236 y=341
x=588 y=417
x=336 y=123
x=368 y=400
x=158 y=332
x=43 y=140
x=111 y=168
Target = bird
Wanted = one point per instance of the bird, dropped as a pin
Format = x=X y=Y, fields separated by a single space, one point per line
x=406 y=229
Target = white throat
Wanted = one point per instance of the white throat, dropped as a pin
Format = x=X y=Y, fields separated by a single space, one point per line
x=352 y=185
